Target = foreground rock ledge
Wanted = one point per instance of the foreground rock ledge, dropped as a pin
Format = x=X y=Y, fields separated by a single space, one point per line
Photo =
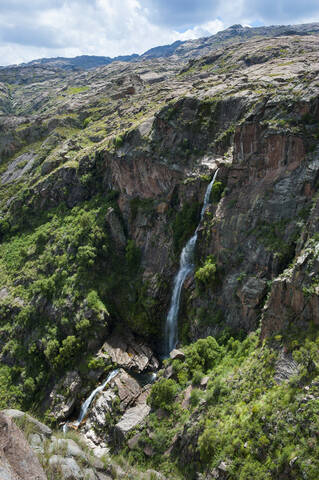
x=17 y=459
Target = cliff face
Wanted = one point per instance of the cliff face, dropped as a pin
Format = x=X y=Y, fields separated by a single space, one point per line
x=103 y=175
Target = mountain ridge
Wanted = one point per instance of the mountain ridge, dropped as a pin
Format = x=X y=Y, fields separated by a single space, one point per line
x=186 y=48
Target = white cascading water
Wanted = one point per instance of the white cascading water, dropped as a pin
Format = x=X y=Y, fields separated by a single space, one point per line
x=186 y=266
x=85 y=405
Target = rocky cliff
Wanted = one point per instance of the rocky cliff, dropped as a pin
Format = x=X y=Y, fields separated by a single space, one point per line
x=103 y=175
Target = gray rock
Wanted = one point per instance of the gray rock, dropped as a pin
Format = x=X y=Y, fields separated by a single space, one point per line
x=285 y=367
x=115 y=226
x=204 y=381
x=36 y=426
x=128 y=389
x=68 y=447
x=131 y=418
x=177 y=354
x=103 y=476
x=133 y=442
x=36 y=442
x=89 y=474
x=68 y=467
x=152 y=474
x=18 y=168
x=102 y=405
x=168 y=372
x=17 y=460
x=129 y=353
x=187 y=396
x=4 y=292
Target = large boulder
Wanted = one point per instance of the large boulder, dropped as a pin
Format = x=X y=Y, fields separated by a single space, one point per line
x=131 y=418
x=177 y=355
x=25 y=420
x=17 y=459
x=129 y=353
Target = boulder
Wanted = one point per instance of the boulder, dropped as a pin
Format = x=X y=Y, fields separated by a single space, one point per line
x=102 y=405
x=169 y=372
x=26 y=419
x=128 y=389
x=129 y=353
x=17 y=459
x=66 y=467
x=131 y=418
x=204 y=381
x=285 y=367
x=177 y=355
x=68 y=447
x=152 y=475
x=134 y=441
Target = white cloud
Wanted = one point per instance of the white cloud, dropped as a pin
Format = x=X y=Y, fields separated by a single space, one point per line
x=107 y=27
x=47 y=28
x=203 y=30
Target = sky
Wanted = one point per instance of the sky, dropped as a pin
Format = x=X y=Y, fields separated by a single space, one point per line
x=31 y=29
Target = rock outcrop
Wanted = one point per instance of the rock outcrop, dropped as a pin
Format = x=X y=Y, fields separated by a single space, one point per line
x=17 y=460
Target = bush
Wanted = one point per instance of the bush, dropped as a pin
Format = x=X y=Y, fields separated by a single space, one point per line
x=217 y=191
x=94 y=302
x=203 y=354
x=86 y=256
x=163 y=394
x=69 y=351
x=195 y=397
x=206 y=275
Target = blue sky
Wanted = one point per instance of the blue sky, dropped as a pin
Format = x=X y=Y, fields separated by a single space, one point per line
x=46 y=28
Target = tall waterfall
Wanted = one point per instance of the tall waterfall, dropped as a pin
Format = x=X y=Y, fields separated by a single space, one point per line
x=186 y=266
x=85 y=405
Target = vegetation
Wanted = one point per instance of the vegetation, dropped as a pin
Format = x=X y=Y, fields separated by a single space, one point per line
x=68 y=263
x=206 y=275
x=235 y=419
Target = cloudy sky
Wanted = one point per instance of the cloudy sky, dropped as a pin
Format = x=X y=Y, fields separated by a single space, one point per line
x=32 y=29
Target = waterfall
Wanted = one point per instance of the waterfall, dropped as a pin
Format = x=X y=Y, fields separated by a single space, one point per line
x=85 y=405
x=186 y=266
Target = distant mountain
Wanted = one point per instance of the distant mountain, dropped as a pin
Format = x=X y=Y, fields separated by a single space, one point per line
x=182 y=49
x=82 y=62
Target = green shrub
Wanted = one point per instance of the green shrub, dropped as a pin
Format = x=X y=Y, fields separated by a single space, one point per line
x=94 y=302
x=217 y=191
x=86 y=256
x=206 y=275
x=195 y=397
x=69 y=351
x=163 y=394
x=118 y=141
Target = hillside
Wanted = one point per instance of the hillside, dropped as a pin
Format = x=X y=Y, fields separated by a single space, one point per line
x=103 y=176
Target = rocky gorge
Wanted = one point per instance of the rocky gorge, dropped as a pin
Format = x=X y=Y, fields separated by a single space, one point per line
x=103 y=174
